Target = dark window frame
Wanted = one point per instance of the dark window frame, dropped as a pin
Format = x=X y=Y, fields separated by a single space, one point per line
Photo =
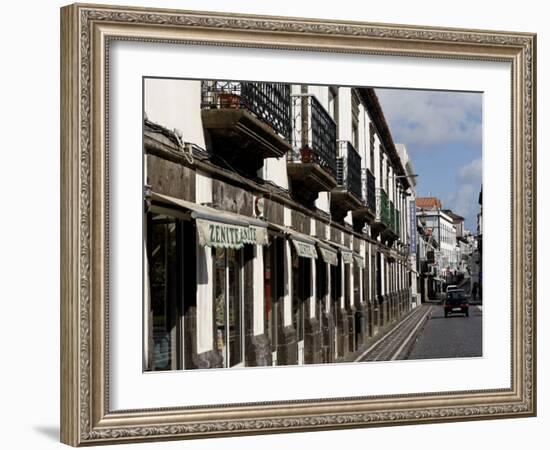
x=275 y=255
x=179 y=301
x=301 y=291
x=228 y=362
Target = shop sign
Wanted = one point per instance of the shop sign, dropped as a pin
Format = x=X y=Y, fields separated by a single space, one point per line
x=226 y=235
x=347 y=257
x=359 y=261
x=329 y=256
x=304 y=249
x=256 y=235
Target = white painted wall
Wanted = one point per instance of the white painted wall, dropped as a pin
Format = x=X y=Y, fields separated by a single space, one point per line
x=362 y=253
x=205 y=293
x=258 y=289
x=344 y=114
x=369 y=268
x=321 y=94
x=176 y=104
x=287 y=217
x=274 y=170
x=205 y=285
x=363 y=134
x=391 y=181
x=349 y=218
x=384 y=163
x=383 y=273
x=377 y=161
x=287 y=302
x=323 y=202
x=313 y=280
x=313 y=298
x=342 y=280
x=203 y=188
x=328 y=302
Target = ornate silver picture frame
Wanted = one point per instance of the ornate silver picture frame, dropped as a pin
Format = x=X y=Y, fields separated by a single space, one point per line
x=87 y=414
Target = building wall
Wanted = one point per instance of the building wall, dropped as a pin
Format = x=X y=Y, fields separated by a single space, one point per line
x=164 y=104
x=352 y=309
x=274 y=170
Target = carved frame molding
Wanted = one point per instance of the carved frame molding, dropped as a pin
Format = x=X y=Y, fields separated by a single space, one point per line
x=86 y=32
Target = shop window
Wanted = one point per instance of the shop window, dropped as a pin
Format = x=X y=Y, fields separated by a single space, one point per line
x=356 y=283
x=348 y=303
x=321 y=289
x=336 y=283
x=164 y=284
x=228 y=305
x=171 y=292
x=301 y=291
x=273 y=255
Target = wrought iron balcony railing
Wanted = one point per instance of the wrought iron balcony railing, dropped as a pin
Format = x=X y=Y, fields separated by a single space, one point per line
x=348 y=168
x=382 y=207
x=269 y=102
x=368 y=186
x=313 y=134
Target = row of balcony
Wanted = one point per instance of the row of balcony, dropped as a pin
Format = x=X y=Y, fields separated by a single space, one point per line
x=386 y=213
x=247 y=122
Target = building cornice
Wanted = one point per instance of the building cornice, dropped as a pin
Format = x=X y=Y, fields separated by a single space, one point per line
x=156 y=143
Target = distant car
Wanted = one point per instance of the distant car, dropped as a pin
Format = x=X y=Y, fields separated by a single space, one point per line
x=456 y=302
x=451 y=287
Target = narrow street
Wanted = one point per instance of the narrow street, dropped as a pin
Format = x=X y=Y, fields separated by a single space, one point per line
x=426 y=333
x=396 y=342
x=451 y=337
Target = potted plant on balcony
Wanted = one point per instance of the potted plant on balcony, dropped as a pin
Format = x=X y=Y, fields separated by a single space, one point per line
x=229 y=100
x=306 y=154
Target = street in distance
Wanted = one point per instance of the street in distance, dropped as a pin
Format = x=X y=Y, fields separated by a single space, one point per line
x=289 y=224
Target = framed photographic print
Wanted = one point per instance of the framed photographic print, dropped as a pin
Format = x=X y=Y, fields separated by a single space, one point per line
x=286 y=224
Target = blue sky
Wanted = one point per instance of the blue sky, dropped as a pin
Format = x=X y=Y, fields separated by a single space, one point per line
x=443 y=135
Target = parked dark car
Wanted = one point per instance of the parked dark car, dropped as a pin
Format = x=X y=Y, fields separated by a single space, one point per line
x=456 y=302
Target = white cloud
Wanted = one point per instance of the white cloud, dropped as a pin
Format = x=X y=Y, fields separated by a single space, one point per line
x=427 y=119
x=464 y=201
x=471 y=173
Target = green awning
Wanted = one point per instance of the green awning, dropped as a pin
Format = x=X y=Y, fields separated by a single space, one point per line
x=303 y=244
x=328 y=254
x=227 y=235
x=347 y=254
x=359 y=260
x=304 y=249
x=221 y=229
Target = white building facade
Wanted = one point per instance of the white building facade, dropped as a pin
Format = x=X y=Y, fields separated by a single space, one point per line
x=440 y=226
x=277 y=224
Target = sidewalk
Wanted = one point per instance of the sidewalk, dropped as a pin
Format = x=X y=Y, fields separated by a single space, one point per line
x=394 y=340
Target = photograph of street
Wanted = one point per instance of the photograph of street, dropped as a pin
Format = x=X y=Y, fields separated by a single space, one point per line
x=288 y=224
